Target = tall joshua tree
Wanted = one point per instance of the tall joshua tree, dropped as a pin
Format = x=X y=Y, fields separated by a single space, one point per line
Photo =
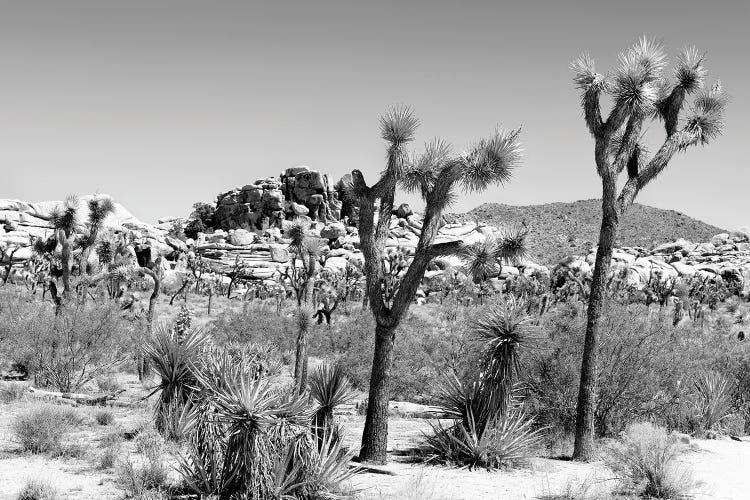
x=307 y=249
x=435 y=174
x=641 y=92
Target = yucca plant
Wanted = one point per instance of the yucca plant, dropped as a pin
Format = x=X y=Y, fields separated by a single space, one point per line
x=712 y=400
x=485 y=258
x=503 y=332
x=489 y=427
x=478 y=437
x=174 y=360
x=329 y=388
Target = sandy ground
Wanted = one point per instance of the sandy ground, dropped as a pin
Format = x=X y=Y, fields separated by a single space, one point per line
x=720 y=467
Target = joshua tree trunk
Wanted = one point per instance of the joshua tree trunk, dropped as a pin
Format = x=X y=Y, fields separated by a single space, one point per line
x=66 y=261
x=375 y=435
x=300 y=360
x=156 y=276
x=584 y=438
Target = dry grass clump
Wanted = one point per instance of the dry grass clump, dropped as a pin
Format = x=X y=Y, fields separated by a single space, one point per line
x=37 y=490
x=104 y=417
x=108 y=383
x=139 y=479
x=12 y=391
x=41 y=428
x=646 y=461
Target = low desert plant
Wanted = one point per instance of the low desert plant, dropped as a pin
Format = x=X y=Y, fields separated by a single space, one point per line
x=35 y=489
x=646 y=461
x=109 y=456
x=41 y=428
x=712 y=400
x=329 y=388
x=104 y=417
x=173 y=357
x=149 y=443
x=11 y=391
x=138 y=479
x=108 y=383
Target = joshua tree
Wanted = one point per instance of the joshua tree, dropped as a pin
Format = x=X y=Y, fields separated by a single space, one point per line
x=99 y=209
x=640 y=93
x=435 y=175
x=307 y=249
x=65 y=222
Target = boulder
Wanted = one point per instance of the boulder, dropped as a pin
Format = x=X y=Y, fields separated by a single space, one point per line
x=683 y=269
x=333 y=231
x=293 y=171
x=273 y=199
x=298 y=209
x=336 y=264
x=279 y=253
x=175 y=243
x=741 y=234
x=241 y=237
x=675 y=246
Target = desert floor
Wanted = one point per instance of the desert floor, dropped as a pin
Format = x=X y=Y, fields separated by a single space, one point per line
x=719 y=466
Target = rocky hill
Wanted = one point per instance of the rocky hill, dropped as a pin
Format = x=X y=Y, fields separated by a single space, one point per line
x=558 y=230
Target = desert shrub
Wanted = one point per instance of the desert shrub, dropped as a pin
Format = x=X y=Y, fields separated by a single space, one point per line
x=108 y=457
x=138 y=479
x=427 y=346
x=35 y=489
x=104 y=417
x=149 y=442
x=202 y=219
x=646 y=461
x=12 y=391
x=256 y=322
x=68 y=350
x=641 y=368
x=41 y=428
x=108 y=383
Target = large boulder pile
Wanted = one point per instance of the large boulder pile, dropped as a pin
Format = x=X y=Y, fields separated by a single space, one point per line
x=21 y=222
x=725 y=258
x=298 y=192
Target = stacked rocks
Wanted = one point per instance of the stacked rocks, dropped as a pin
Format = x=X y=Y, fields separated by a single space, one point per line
x=298 y=192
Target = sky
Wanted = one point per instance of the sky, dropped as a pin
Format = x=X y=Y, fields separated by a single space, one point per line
x=162 y=103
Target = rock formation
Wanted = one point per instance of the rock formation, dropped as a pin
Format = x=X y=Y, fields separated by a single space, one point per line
x=298 y=192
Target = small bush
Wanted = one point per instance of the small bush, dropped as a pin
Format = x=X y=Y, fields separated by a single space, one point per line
x=104 y=417
x=108 y=384
x=108 y=457
x=149 y=442
x=38 y=490
x=41 y=428
x=646 y=462
x=138 y=480
x=11 y=391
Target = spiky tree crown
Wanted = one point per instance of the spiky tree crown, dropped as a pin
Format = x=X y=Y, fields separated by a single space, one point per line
x=641 y=90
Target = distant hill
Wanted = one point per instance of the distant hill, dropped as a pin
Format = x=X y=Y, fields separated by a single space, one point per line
x=561 y=229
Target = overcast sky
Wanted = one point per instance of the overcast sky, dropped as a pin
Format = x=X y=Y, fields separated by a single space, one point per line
x=164 y=103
